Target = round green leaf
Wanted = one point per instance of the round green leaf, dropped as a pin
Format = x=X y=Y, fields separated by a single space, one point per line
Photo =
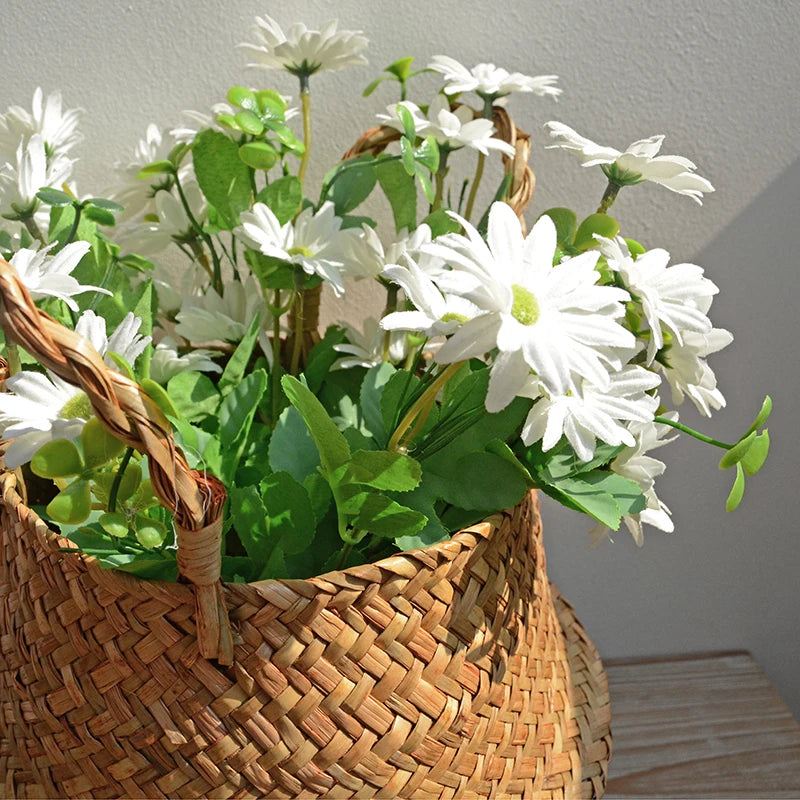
x=249 y=123
x=271 y=103
x=150 y=532
x=600 y=224
x=737 y=452
x=258 y=155
x=57 y=459
x=72 y=505
x=114 y=525
x=99 y=446
x=243 y=98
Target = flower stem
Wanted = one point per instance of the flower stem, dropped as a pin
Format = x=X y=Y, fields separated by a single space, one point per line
x=276 y=359
x=439 y=178
x=12 y=357
x=297 y=344
x=696 y=434
x=305 y=101
x=391 y=305
x=609 y=196
x=32 y=228
x=488 y=103
x=74 y=229
x=421 y=408
x=112 y=495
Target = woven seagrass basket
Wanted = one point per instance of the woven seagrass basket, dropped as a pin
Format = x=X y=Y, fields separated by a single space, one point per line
x=454 y=671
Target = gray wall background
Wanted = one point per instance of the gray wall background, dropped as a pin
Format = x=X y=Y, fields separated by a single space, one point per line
x=720 y=79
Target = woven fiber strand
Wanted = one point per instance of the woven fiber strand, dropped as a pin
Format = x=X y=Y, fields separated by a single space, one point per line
x=455 y=671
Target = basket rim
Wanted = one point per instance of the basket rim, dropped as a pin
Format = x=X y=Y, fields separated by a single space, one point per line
x=355 y=579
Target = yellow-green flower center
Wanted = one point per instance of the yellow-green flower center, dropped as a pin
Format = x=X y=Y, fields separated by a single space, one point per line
x=78 y=406
x=524 y=309
x=299 y=250
x=453 y=316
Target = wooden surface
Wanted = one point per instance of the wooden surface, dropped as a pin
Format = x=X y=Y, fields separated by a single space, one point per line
x=700 y=727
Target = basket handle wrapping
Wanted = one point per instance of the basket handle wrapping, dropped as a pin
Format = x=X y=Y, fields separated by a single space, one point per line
x=196 y=499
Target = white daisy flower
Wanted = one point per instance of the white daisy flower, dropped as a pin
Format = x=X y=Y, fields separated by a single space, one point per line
x=44 y=275
x=453 y=129
x=688 y=373
x=314 y=242
x=674 y=298
x=31 y=171
x=58 y=128
x=558 y=319
x=167 y=362
x=590 y=414
x=304 y=52
x=125 y=341
x=640 y=162
x=36 y=409
x=436 y=314
x=488 y=80
x=365 y=348
x=211 y=318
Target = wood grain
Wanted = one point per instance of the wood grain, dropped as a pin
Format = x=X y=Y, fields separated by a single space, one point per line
x=706 y=726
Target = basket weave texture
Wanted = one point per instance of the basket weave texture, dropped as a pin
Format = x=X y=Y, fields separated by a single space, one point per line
x=451 y=671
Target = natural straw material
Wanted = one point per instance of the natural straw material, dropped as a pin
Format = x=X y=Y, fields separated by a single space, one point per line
x=455 y=671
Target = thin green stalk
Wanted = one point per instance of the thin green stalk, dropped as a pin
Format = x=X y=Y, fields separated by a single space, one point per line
x=696 y=434
x=297 y=344
x=421 y=408
x=276 y=359
x=109 y=274
x=112 y=495
x=74 y=229
x=12 y=357
x=33 y=229
x=305 y=102
x=609 y=196
x=488 y=103
x=391 y=305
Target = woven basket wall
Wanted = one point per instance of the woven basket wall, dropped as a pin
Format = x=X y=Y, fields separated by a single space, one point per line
x=455 y=671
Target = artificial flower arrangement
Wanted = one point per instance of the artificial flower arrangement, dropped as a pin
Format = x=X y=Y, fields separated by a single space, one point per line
x=503 y=360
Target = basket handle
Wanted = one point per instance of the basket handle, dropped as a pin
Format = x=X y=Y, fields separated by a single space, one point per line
x=130 y=414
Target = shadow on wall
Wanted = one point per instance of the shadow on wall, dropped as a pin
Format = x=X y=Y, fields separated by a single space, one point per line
x=721 y=581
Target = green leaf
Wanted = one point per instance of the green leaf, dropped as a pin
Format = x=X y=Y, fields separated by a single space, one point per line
x=251 y=521
x=160 y=397
x=350 y=183
x=322 y=357
x=71 y=505
x=635 y=248
x=382 y=516
x=407 y=156
x=128 y=485
x=248 y=122
x=737 y=492
x=283 y=196
x=108 y=205
x=331 y=444
x=258 y=155
x=600 y=224
x=291 y=521
x=425 y=183
x=401 y=68
x=150 y=533
x=100 y=215
x=156 y=168
x=763 y=415
x=235 y=418
x=271 y=103
x=370 y=400
x=291 y=448
x=401 y=192
x=440 y=223
x=122 y=365
x=384 y=470
x=58 y=458
x=115 y=525
x=427 y=154
x=55 y=197
x=407 y=120
x=237 y=364
x=243 y=97
x=483 y=481
x=222 y=176
x=374 y=85
x=757 y=454
x=626 y=493
x=499 y=195
x=566 y=223
x=738 y=451
x=194 y=395
x=98 y=445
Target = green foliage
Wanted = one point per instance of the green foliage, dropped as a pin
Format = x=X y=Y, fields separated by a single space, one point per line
x=58 y=458
x=350 y=183
x=600 y=224
x=98 y=445
x=283 y=196
x=401 y=191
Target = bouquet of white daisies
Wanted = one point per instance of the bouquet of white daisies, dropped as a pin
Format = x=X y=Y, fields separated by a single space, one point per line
x=504 y=360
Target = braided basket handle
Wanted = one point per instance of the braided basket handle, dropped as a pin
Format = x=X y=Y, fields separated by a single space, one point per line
x=130 y=414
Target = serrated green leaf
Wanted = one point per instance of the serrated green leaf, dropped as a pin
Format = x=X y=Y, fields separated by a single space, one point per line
x=370 y=400
x=71 y=505
x=331 y=444
x=194 y=395
x=483 y=481
x=600 y=224
x=322 y=357
x=58 y=458
x=382 y=516
x=757 y=454
x=440 y=223
x=401 y=191
x=737 y=492
x=291 y=448
x=566 y=222
x=236 y=414
x=384 y=470
x=591 y=500
x=283 y=196
x=350 y=185
x=250 y=519
x=98 y=445
x=737 y=452
x=222 y=176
